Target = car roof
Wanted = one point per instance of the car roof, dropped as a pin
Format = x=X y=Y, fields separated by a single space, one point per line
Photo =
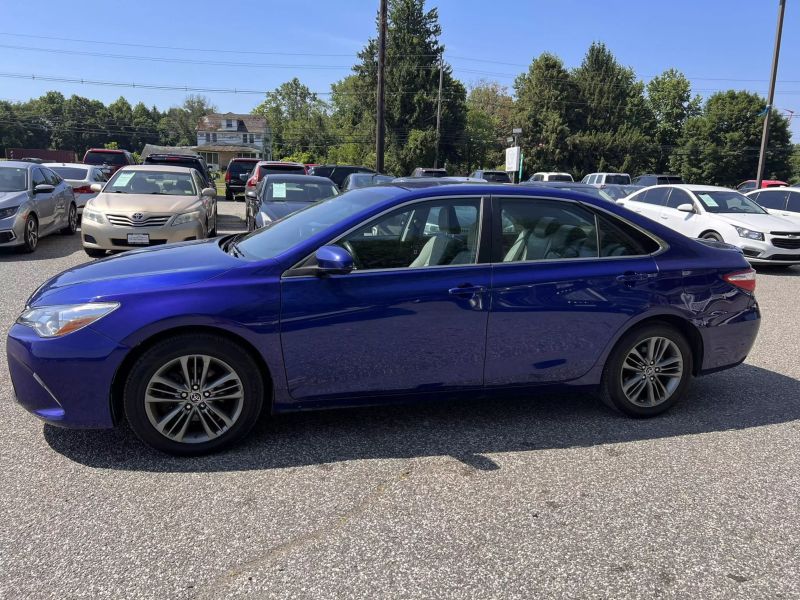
x=70 y=164
x=110 y=150
x=297 y=177
x=280 y=162
x=157 y=168
x=18 y=164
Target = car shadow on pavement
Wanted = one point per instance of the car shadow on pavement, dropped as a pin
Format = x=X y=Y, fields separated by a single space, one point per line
x=791 y=271
x=469 y=431
x=52 y=246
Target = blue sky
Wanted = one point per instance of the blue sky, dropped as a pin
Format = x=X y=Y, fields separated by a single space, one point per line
x=718 y=44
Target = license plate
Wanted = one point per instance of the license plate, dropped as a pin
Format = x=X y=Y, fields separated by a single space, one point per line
x=138 y=238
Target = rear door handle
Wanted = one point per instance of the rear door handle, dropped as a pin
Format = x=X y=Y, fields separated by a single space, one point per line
x=665 y=217
x=632 y=277
x=466 y=290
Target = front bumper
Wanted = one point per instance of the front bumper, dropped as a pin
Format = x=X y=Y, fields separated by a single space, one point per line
x=768 y=253
x=12 y=230
x=113 y=237
x=65 y=381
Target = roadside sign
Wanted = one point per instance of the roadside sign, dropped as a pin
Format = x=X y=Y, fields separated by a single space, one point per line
x=512 y=158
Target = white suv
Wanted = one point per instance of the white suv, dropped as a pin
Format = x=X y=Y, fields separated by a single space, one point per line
x=722 y=214
x=550 y=176
x=607 y=178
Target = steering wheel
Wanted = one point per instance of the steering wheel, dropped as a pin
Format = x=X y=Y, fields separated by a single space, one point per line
x=349 y=247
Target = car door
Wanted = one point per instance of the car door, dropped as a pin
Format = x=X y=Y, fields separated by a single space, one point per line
x=411 y=317
x=687 y=223
x=62 y=194
x=648 y=202
x=44 y=202
x=565 y=279
x=773 y=201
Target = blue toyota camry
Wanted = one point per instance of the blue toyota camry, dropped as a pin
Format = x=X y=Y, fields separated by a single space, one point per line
x=381 y=295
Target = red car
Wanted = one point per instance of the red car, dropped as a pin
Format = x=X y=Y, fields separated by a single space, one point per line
x=750 y=184
x=109 y=160
x=273 y=167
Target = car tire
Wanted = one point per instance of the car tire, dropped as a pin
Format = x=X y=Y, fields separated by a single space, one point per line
x=95 y=252
x=712 y=235
x=30 y=239
x=228 y=194
x=192 y=422
x=213 y=232
x=72 y=220
x=638 y=389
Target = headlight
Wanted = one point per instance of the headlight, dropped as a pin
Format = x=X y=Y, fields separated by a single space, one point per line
x=7 y=212
x=749 y=234
x=92 y=215
x=55 y=321
x=186 y=217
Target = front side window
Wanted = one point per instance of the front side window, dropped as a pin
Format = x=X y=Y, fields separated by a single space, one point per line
x=37 y=177
x=425 y=234
x=728 y=201
x=677 y=198
x=51 y=177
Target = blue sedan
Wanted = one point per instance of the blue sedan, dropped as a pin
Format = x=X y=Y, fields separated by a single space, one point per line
x=381 y=295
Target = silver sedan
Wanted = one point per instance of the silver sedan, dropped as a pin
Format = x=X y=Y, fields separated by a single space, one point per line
x=34 y=202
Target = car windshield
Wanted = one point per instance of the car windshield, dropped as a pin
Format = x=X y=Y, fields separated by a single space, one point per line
x=71 y=172
x=618 y=179
x=295 y=191
x=283 y=234
x=13 y=179
x=105 y=158
x=151 y=182
x=728 y=201
x=496 y=176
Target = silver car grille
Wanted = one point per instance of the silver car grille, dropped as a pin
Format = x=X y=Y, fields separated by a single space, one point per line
x=126 y=221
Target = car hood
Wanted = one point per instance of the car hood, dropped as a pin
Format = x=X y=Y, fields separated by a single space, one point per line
x=144 y=203
x=758 y=222
x=8 y=199
x=148 y=269
x=278 y=210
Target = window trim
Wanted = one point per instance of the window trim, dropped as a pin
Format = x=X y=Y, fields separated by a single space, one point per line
x=484 y=244
x=497 y=233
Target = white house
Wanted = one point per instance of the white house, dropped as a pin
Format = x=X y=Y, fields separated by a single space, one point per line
x=221 y=137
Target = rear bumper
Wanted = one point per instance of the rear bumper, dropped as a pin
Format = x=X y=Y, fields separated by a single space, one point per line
x=728 y=342
x=64 y=381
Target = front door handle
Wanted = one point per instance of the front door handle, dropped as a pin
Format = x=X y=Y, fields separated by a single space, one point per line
x=466 y=289
x=665 y=217
x=632 y=277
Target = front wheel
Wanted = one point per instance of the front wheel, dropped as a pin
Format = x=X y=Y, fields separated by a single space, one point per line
x=30 y=239
x=648 y=371
x=712 y=235
x=193 y=394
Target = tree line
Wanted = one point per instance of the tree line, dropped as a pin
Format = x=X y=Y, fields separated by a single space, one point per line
x=598 y=116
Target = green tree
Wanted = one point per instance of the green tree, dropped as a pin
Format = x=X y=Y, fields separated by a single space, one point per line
x=490 y=119
x=720 y=146
x=670 y=98
x=795 y=163
x=178 y=126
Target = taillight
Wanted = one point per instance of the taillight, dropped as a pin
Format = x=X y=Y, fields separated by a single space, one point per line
x=84 y=189
x=252 y=181
x=227 y=176
x=745 y=280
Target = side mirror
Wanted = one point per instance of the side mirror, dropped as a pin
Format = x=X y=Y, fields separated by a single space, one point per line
x=43 y=188
x=621 y=202
x=687 y=208
x=96 y=187
x=209 y=192
x=333 y=260
x=251 y=194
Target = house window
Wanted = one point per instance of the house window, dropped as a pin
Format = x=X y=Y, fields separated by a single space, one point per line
x=213 y=137
x=208 y=137
x=252 y=138
x=244 y=138
x=229 y=123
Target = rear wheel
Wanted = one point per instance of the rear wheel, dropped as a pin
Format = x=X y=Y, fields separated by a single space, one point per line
x=648 y=371
x=193 y=394
x=228 y=194
x=72 y=221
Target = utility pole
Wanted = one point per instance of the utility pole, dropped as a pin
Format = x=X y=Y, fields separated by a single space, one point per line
x=439 y=110
x=379 y=125
x=762 y=155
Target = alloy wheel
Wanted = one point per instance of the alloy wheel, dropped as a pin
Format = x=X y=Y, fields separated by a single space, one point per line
x=31 y=233
x=194 y=398
x=73 y=218
x=652 y=371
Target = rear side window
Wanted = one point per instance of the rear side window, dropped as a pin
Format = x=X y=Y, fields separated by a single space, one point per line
x=620 y=239
x=794 y=202
x=775 y=200
x=94 y=157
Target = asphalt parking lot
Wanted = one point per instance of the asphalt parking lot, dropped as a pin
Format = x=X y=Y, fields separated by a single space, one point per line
x=529 y=497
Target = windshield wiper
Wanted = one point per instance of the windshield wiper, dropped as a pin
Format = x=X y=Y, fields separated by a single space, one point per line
x=231 y=246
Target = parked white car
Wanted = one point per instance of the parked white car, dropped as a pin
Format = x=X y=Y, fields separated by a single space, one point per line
x=550 y=176
x=779 y=201
x=607 y=178
x=80 y=178
x=722 y=214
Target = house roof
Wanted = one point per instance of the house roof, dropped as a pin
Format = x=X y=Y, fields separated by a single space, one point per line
x=244 y=123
